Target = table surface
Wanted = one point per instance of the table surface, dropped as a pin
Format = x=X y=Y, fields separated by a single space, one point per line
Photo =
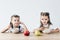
x=20 y=36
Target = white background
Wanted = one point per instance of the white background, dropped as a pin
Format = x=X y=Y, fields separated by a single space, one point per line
x=29 y=11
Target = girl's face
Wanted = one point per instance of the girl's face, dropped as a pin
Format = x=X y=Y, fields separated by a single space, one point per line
x=44 y=20
x=15 y=21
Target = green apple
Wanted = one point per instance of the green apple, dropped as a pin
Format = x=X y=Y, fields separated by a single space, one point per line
x=37 y=33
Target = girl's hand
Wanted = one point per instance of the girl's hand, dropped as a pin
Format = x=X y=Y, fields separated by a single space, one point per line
x=25 y=28
x=5 y=29
x=41 y=28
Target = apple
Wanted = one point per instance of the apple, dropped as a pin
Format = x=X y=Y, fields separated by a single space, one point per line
x=26 y=33
x=37 y=33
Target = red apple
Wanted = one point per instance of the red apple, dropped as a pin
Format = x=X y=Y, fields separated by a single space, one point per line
x=26 y=33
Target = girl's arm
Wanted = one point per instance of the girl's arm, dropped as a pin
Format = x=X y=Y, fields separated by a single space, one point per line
x=25 y=28
x=55 y=30
x=5 y=29
x=40 y=29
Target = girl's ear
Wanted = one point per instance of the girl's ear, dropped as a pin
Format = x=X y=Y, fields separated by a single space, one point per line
x=48 y=19
x=20 y=22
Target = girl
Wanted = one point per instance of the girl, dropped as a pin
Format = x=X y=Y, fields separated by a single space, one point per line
x=14 y=25
x=46 y=25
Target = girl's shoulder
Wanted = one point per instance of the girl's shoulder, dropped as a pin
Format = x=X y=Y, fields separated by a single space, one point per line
x=54 y=26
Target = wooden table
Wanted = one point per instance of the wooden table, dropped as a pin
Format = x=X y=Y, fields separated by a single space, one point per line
x=20 y=36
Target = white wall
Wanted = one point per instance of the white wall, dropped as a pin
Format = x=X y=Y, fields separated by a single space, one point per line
x=29 y=10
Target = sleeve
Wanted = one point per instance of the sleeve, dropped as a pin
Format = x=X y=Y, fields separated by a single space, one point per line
x=53 y=26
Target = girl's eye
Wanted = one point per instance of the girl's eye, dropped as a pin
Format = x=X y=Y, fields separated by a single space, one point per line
x=45 y=19
x=42 y=19
x=14 y=20
x=17 y=20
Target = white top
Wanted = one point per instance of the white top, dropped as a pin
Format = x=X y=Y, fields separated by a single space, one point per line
x=49 y=28
x=17 y=29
